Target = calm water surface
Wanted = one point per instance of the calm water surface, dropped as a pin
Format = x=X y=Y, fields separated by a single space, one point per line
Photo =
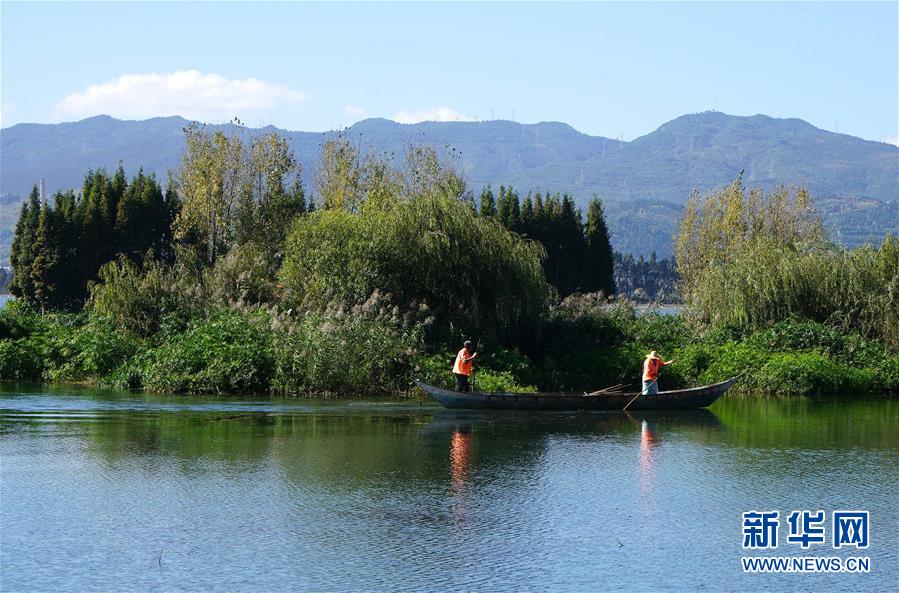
x=107 y=491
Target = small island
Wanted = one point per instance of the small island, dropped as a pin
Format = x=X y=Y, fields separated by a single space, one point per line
x=234 y=277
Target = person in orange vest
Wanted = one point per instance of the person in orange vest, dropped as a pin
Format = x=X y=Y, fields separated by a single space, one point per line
x=463 y=366
x=651 y=367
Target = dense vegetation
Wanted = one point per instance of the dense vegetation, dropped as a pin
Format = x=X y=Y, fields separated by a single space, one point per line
x=753 y=259
x=59 y=247
x=578 y=252
x=253 y=287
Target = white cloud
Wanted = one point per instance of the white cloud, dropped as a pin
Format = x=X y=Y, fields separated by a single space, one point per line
x=892 y=140
x=434 y=114
x=353 y=111
x=189 y=93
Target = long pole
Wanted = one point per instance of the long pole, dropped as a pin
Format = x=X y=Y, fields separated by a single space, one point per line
x=624 y=409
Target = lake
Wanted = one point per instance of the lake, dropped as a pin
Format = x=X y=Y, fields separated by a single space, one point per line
x=113 y=491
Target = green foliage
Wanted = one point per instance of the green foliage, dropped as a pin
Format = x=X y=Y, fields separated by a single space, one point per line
x=435 y=370
x=227 y=352
x=585 y=345
x=470 y=271
x=847 y=347
x=139 y=298
x=60 y=246
x=18 y=320
x=20 y=360
x=801 y=373
x=246 y=275
x=754 y=259
x=599 y=261
x=89 y=351
x=500 y=382
x=357 y=352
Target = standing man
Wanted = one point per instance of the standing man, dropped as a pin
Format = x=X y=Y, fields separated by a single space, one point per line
x=462 y=366
x=651 y=367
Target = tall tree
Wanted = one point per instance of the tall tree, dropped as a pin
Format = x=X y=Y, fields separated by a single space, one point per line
x=600 y=263
x=509 y=210
x=211 y=179
x=45 y=269
x=488 y=203
x=527 y=216
x=23 y=247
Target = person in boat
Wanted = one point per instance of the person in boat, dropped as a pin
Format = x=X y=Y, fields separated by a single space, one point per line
x=463 y=366
x=651 y=367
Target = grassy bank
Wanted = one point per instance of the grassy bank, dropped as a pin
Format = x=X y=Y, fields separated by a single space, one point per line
x=371 y=351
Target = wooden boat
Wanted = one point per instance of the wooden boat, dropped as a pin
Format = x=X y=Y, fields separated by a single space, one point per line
x=694 y=397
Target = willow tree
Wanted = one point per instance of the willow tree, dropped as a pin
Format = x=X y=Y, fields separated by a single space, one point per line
x=754 y=258
x=425 y=245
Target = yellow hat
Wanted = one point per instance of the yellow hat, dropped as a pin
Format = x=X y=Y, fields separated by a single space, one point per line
x=652 y=355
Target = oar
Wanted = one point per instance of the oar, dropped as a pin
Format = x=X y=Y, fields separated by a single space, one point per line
x=624 y=409
x=612 y=388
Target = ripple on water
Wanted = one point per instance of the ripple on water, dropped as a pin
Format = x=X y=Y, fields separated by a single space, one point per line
x=202 y=494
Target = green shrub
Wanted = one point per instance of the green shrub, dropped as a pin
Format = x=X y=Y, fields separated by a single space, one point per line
x=138 y=298
x=20 y=360
x=799 y=373
x=337 y=352
x=228 y=352
x=732 y=359
x=245 y=275
x=498 y=370
x=19 y=320
x=90 y=351
x=434 y=368
x=499 y=382
x=847 y=347
x=690 y=363
x=887 y=375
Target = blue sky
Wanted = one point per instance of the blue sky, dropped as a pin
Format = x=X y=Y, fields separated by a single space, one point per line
x=611 y=69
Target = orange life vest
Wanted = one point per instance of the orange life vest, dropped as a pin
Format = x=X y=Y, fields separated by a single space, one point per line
x=463 y=363
x=651 y=368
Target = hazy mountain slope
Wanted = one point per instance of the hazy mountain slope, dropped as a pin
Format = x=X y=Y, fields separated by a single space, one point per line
x=644 y=182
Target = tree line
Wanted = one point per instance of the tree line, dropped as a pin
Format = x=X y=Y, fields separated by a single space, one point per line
x=578 y=248
x=237 y=193
x=59 y=247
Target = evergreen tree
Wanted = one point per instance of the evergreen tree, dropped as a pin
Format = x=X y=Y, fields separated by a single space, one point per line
x=509 y=210
x=538 y=214
x=23 y=247
x=90 y=216
x=45 y=270
x=488 y=203
x=527 y=216
x=600 y=264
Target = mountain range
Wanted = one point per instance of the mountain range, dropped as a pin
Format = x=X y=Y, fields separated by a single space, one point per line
x=644 y=183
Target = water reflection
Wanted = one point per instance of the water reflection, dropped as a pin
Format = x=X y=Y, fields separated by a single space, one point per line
x=313 y=496
x=647 y=444
x=460 y=459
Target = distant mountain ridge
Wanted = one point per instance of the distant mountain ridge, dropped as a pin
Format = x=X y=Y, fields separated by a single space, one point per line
x=644 y=182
